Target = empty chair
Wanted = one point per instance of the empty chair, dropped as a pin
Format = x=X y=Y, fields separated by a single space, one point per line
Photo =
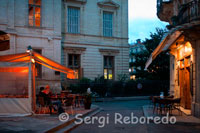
x=177 y=104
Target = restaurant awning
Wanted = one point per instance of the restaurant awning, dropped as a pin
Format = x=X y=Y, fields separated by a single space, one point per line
x=38 y=58
x=165 y=43
x=168 y=39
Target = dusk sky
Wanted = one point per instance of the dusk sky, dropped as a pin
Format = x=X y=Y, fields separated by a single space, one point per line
x=143 y=19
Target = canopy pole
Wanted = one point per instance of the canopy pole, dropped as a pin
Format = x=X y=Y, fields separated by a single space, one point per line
x=33 y=90
x=30 y=85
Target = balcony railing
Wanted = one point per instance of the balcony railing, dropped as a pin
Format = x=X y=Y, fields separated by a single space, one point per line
x=187 y=13
x=160 y=3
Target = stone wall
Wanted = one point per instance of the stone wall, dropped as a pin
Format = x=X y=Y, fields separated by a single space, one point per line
x=53 y=34
x=91 y=37
x=47 y=37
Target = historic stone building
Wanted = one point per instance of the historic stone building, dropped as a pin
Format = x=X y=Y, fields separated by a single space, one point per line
x=183 y=43
x=89 y=36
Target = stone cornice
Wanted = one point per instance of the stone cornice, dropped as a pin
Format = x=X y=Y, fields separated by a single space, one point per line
x=77 y=1
x=75 y=50
x=109 y=51
x=109 y=4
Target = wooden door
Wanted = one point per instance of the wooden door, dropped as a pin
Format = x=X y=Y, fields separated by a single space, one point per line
x=184 y=82
x=187 y=92
x=181 y=84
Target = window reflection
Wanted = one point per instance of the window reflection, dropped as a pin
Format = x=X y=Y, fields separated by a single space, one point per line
x=34 y=12
x=108 y=67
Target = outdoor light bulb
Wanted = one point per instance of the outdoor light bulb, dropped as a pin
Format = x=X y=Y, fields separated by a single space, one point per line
x=178 y=63
x=29 y=49
x=33 y=60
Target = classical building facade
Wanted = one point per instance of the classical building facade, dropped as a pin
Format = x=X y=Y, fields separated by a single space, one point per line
x=89 y=36
x=183 y=43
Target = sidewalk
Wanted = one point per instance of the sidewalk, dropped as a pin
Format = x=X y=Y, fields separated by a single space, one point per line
x=180 y=118
x=39 y=123
x=110 y=99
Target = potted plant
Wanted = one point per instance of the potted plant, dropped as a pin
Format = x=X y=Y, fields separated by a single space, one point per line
x=88 y=99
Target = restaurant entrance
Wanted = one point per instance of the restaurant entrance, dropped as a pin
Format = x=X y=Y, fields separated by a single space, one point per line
x=184 y=80
x=184 y=56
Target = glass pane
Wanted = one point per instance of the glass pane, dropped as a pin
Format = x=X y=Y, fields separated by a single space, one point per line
x=76 y=73
x=110 y=76
x=37 y=16
x=105 y=74
x=73 y=19
x=76 y=60
x=37 y=22
x=31 y=15
x=107 y=23
x=37 y=2
x=70 y=60
x=31 y=1
x=105 y=61
x=110 y=62
x=15 y=80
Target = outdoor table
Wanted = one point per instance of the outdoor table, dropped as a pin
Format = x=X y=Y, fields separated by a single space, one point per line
x=55 y=98
x=165 y=103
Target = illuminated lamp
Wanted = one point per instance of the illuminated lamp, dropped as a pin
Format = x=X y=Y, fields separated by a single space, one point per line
x=29 y=49
x=33 y=61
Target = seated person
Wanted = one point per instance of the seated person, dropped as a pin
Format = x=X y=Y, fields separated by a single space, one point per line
x=48 y=94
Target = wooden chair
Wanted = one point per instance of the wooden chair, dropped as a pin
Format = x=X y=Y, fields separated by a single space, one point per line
x=155 y=101
x=44 y=108
x=69 y=103
x=81 y=101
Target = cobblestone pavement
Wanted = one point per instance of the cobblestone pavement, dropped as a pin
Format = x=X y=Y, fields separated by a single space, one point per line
x=125 y=108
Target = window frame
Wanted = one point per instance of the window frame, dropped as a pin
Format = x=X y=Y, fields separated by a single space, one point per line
x=34 y=5
x=39 y=76
x=71 y=26
x=109 y=59
x=105 y=28
x=74 y=67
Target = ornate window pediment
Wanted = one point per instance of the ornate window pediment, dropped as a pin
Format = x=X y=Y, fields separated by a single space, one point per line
x=77 y=1
x=109 y=51
x=74 y=50
x=109 y=4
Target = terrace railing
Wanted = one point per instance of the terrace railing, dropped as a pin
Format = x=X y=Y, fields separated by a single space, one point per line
x=188 y=12
x=160 y=3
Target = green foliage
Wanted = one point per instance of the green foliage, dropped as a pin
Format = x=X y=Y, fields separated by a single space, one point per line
x=100 y=85
x=81 y=86
x=122 y=77
x=159 y=69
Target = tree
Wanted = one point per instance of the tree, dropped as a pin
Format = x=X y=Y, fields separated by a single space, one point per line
x=159 y=69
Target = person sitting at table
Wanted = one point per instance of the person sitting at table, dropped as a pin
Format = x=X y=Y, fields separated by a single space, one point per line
x=48 y=93
x=40 y=92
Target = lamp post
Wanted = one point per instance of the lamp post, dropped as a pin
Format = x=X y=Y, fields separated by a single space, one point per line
x=29 y=49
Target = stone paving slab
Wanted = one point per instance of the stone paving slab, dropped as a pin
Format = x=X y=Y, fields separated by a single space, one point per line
x=35 y=123
x=180 y=117
x=111 y=99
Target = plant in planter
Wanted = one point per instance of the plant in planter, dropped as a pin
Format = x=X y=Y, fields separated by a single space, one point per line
x=88 y=99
